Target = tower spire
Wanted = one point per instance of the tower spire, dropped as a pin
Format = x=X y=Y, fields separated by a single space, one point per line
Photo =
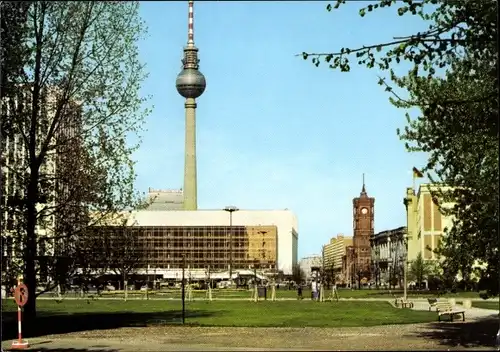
x=191 y=24
x=363 y=190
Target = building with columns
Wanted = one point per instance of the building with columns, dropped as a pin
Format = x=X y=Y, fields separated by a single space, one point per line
x=388 y=255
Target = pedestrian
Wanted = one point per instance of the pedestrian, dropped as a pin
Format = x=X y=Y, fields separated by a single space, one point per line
x=299 y=292
x=314 y=290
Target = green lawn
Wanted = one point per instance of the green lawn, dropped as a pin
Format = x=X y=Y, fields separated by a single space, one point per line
x=222 y=313
x=282 y=293
x=487 y=305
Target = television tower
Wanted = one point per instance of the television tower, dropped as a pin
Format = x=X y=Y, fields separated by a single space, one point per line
x=190 y=84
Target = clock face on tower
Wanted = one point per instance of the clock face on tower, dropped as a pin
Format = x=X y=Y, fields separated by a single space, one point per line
x=364 y=211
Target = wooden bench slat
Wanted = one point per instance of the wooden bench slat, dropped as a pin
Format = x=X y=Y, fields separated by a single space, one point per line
x=446 y=308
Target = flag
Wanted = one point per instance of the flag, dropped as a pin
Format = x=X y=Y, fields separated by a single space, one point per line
x=417 y=173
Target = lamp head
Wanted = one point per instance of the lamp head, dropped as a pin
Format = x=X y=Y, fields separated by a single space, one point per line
x=231 y=208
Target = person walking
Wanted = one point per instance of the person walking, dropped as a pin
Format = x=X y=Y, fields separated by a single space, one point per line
x=299 y=292
x=314 y=290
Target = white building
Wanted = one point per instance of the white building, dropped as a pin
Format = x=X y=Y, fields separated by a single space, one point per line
x=306 y=263
x=284 y=220
x=165 y=199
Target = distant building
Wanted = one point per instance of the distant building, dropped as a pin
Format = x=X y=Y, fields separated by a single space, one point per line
x=265 y=240
x=357 y=262
x=388 y=255
x=307 y=263
x=165 y=199
x=426 y=223
x=333 y=254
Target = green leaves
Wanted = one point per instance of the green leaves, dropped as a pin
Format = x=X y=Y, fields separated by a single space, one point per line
x=458 y=124
x=402 y=10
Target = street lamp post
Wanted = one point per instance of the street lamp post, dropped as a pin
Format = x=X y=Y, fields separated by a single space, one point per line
x=183 y=289
x=405 y=260
x=389 y=261
x=231 y=209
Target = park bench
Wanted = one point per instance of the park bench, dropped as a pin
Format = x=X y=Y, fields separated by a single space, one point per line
x=432 y=303
x=445 y=308
x=405 y=303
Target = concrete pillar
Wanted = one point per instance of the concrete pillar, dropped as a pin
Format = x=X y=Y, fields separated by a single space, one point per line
x=190 y=190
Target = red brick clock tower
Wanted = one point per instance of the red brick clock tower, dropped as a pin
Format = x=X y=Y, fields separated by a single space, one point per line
x=363 y=228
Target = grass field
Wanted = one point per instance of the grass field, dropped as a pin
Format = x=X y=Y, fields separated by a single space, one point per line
x=283 y=293
x=108 y=314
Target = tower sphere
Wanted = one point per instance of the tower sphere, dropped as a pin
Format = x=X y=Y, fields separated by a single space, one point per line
x=190 y=83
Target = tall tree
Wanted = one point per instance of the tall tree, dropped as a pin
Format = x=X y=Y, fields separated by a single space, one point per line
x=126 y=252
x=298 y=275
x=77 y=104
x=458 y=125
x=13 y=16
x=419 y=270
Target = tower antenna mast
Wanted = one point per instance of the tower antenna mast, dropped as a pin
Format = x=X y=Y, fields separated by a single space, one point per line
x=190 y=84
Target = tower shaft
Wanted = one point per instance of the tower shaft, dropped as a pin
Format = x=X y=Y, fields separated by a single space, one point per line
x=190 y=188
x=190 y=84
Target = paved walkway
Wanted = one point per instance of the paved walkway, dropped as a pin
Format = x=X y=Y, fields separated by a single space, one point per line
x=470 y=313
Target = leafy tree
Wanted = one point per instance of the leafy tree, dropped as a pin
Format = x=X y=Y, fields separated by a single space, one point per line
x=77 y=102
x=298 y=275
x=13 y=15
x=458 y=124
x=419 y=270
x=125 y=250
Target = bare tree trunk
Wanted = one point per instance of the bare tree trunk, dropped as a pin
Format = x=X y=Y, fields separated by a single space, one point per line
x=125 y=286
x=30 y=250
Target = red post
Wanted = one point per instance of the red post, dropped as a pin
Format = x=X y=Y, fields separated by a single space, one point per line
x=21 y=296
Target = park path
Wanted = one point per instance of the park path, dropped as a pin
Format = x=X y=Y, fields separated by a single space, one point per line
x=171 y=338
x=470 y=313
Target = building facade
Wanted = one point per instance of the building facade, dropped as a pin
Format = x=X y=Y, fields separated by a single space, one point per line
x=263 y=238
x=162 y=248
x=388 y=255
x=165 y=199
x=334 y=253
x=55 y=172
x=306 y=265
x=426 y=223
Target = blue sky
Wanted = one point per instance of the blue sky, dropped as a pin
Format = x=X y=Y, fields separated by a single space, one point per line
x=274 y=131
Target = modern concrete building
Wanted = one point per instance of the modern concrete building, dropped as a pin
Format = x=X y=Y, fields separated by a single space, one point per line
x=335 y=250
x=190 y=84
x=265 y=240
x=307 y=263
x=165 y=199
x=56 y=186
x=426 y=224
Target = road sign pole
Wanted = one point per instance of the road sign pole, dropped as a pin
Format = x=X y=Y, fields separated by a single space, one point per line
x=21 y=297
